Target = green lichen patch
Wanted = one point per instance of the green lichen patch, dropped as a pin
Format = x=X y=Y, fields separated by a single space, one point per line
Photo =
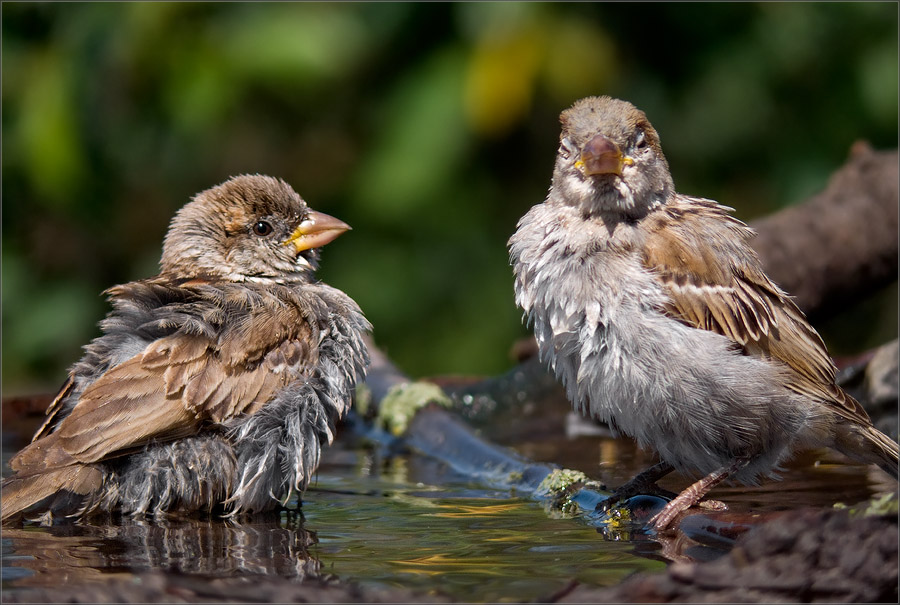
x=402 y=402
x=884 y=504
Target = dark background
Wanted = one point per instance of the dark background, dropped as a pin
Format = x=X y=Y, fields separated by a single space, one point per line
x=430 y=128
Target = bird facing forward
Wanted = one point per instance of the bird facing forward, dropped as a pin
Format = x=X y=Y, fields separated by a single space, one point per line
x=215 y=384
x=656 y=315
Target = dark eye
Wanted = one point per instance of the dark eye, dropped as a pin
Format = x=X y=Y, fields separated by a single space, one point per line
x=262 y=228
x=641 y=141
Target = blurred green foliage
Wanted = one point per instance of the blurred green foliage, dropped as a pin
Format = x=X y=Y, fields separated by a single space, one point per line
x=428 y=127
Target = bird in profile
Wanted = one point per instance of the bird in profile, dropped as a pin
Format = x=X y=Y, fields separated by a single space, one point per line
x=214 y=385
x=655 y=313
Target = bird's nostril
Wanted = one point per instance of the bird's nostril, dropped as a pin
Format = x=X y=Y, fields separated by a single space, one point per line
x=601 y=155
x=599 y=146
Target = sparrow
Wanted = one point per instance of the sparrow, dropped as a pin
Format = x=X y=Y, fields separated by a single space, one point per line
x=655 y=314
x=215 y=384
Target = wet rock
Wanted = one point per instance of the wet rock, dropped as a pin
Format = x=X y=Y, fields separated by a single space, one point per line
x=874 y=380
x=157 y=587
x=882 y=383
x=802 y=556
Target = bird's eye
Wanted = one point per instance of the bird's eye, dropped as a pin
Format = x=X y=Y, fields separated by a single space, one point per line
x=262 y=228
x=565 y=148
x=641 y=141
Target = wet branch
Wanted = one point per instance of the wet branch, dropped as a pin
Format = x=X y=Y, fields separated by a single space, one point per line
x=427 y=425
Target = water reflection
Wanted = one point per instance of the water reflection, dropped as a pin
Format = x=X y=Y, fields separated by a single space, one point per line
x=411 y=521
x=83 y=552
x=460 y=541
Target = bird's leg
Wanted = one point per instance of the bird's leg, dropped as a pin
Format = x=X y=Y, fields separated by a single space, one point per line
x=642 y=483
x=692 y=495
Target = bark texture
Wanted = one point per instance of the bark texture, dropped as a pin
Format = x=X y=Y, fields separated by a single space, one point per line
x=805 y=556
x=841 y=244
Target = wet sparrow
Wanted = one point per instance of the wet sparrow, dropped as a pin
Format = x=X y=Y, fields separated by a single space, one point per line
x=656 y=315
x=215 y=384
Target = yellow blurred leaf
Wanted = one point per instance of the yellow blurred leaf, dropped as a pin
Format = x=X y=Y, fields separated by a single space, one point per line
x=500 y=79
x=581 y=61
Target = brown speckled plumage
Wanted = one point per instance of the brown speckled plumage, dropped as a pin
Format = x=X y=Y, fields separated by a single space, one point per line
x=656 y=315
x=215 y=384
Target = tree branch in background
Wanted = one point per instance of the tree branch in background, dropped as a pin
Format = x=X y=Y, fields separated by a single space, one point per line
x=841 y=244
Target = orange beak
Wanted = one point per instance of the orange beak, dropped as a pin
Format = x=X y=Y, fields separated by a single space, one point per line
x=602 y=156
x=315 y=231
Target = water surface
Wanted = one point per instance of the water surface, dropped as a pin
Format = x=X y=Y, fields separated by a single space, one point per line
x=409 y=521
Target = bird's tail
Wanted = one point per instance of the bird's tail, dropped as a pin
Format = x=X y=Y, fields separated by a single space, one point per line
x=23 y=490
x=867 y=444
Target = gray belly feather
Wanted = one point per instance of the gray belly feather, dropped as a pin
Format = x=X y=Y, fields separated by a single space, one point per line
x=690 y=394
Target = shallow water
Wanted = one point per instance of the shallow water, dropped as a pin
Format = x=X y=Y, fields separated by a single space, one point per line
x=409 y=521
x=457 y=540
x=380 y=529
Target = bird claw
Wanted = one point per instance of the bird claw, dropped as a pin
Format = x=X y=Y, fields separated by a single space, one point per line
x=629 y=491
x=693 y=494
x=664 y=518
x=643 y=483
x=715 y=505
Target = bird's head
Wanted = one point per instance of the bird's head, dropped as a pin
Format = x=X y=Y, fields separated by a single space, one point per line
x=249 y=228
x=610 y=159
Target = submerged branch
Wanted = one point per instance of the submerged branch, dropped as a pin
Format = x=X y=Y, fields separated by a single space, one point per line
x=426 y=426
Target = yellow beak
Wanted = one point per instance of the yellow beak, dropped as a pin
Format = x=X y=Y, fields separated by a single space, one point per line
x=315 y=231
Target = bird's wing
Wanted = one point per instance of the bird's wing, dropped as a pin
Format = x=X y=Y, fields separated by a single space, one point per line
x=181 y=381
x=55 y=406
x=715 y=282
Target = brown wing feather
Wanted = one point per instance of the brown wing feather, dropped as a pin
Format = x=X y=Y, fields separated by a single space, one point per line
x=24 y=489
x=132 y=404
x=715 y=282
x=54 y=407
x=173 y=386
x=125 y=408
